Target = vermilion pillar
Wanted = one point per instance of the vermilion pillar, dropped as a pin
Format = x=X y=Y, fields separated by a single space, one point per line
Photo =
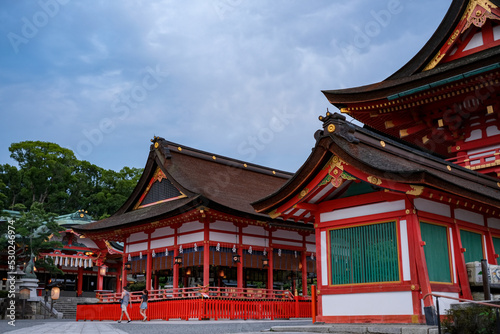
x=100 y=279
x=206 y=254
x=124 y=272
x=239 y=265
x=303 y=261
x=149 y=270
x=176 y=270
x=270 y=269
x=80 y=281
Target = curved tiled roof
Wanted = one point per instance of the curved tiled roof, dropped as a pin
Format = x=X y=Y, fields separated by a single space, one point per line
x=208 y=180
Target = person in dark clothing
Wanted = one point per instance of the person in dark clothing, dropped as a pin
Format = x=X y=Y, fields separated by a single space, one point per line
x=144 y=304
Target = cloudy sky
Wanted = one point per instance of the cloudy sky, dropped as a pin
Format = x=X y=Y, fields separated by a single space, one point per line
x=238 y=78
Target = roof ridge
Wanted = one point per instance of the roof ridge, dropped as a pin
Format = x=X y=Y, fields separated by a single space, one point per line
x=169 y=146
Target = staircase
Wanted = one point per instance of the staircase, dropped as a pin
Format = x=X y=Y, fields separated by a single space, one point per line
x=67 y=305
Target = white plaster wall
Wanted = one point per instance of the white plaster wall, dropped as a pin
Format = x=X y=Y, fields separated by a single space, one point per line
x=363 y=210
x=444 y=303
x=452 y=255
x=311 y=238
x=494 y=223
x=288 y=243
x=222 y=237
x=287 y=235
x=192 y=226
x=252 y=229
x=255 y=241
x=432 y=207
x=484 y=248
x=162 y=243
x=137 y=237
x=311 y=248
x=137 y=247
x=324 y=267
x=405 y=255
x=469 y=216
x=161 y=232
x=192 y=237
x=221 y=225
x=375 y=303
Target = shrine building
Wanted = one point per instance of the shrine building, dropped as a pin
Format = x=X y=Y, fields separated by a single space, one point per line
x=189 y=223
x=401 y=204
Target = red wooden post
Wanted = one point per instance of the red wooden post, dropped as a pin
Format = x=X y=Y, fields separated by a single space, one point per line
x=80 y=281
x=303 y=261
x=176 y=272
x=206 y=254
x=296 y=305
x=149 y=269
x=313 y=303
x=124 y=272
x=239 y=267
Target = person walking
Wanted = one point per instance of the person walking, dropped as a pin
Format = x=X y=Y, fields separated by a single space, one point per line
x=125 y=301
x=144 y=304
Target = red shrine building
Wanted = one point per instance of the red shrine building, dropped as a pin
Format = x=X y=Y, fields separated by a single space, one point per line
x=189 y=223
x=400 y=205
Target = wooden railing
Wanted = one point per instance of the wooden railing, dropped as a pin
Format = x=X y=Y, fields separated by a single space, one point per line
x=202 y=303
x=206 y=292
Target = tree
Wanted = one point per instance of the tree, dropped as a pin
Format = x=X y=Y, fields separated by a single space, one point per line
x=46 y=170
x=33 y=230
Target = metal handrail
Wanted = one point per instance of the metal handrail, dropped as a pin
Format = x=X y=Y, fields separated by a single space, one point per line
x=461 y=300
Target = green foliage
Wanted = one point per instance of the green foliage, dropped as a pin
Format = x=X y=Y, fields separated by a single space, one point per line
x=4 y=293
x=52 y=175
x=138 y=286
x=33 y=230
x=471 y=320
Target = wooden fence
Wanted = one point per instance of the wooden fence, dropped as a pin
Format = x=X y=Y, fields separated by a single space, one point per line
x=203 y=303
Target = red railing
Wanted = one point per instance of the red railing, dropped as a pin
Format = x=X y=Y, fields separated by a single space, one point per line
x=203 y=303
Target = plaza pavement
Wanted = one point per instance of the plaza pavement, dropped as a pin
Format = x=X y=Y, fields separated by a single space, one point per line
x=296 y=326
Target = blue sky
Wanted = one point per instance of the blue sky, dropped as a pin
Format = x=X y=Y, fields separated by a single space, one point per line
x=238 y=78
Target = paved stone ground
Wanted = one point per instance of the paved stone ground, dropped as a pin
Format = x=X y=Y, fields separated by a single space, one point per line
x=151 y=327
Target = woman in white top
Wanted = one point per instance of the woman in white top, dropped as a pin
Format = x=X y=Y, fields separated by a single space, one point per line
x=125 y=302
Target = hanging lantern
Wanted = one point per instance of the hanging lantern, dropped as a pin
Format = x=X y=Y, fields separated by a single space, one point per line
x=188 y=272
x=128 y=266
x=178 y=260
x=54 y=293
x=103 y=270
x=236 y=258
x=265 y=262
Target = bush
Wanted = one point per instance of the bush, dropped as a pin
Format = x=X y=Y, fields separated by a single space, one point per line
x=471 y=320
x=139 y=286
